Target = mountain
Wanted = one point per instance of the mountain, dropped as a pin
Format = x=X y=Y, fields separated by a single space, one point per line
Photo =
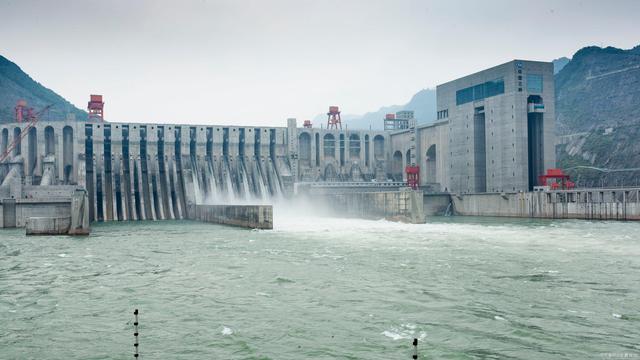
x=423 y=103
x=15 y=84
x=559 y=64
x=598 y=87
x=598 y=101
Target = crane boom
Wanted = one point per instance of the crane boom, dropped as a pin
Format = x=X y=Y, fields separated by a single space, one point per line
x=33 y=121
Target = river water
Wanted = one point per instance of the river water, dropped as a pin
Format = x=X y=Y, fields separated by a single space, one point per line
x=321 y=288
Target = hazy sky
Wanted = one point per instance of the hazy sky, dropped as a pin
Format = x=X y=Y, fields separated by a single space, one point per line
x=259 y=62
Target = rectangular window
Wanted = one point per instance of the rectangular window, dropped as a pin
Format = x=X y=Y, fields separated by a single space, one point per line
x=480 y=91
x=534 y=83
x=464 y=96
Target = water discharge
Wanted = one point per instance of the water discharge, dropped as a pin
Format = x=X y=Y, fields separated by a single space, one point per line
x=324 y=288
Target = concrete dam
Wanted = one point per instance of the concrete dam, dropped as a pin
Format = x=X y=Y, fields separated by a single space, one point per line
x=146 y=171
x=161 y=171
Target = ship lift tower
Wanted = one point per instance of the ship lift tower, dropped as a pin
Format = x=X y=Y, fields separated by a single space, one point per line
x=333 y=118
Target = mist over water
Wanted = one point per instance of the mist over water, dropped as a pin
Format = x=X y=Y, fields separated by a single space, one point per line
x=318 y=287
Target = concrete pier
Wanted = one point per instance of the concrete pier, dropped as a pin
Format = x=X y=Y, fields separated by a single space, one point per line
x=48 y=225
x=248 y=216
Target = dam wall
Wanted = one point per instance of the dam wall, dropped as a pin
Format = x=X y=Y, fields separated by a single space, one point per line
x=248 y=216
x=589 y=204
x=145 y=171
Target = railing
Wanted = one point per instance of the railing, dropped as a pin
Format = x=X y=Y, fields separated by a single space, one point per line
x=352 y=184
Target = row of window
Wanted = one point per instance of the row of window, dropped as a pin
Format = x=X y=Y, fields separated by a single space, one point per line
x=443 y=114
x=495 y=87
x=480 y=91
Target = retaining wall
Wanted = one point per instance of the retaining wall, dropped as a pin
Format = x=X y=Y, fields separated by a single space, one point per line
x=403 y=205
x=591 y=204
x=248 y=216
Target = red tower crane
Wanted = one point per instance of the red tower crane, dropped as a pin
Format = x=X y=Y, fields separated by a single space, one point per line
x=95 y=107
x=333 y=118
x=33 y=120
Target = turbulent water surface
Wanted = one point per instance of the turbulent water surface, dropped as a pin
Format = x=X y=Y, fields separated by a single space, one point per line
x=325 y=289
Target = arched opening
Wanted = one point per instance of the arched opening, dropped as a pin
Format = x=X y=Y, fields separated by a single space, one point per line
x=431 y=176
x=330 y=173
x=354 y=147
x=17 y=149
x=366 y=150
x=32 y=150
x=304 y=143
x=317 y=137
x=408 y=157
x=329 y=145
x=5 y=140
x=378 y=147
x=396 y=167
x=49 y=141
x=67 y=153
x=341 y=149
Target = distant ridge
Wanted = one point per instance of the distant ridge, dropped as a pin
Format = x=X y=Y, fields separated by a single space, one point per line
x=423 y=103
x=15 y=84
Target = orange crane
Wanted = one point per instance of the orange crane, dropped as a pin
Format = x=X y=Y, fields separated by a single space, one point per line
x=33 y=120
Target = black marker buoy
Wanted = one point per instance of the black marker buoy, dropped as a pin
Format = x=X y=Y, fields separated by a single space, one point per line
x=135 y=334
x=415 y=349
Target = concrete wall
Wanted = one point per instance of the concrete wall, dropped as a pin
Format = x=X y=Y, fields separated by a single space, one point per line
x=437 y=204
x=600 y=204
x=248 y=216
x=48 y=225
x=404 y=205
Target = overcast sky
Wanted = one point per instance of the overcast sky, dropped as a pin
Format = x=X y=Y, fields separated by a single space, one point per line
x=259 y=62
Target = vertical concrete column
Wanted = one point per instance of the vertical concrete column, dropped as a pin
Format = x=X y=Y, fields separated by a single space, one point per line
x=172 y=175
x=217 y=154
x=249 y=158
x=59 y=145
x=153 y=173
x=168 y=149
x=98 y=170
x=187 y=172
x=120 y=195
x=201 y=156
x=40 y=152
x=108 y=179
x=93 y=162
x=264 y=151
x=147 y=192
x=292 y=137
x=136 y=174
